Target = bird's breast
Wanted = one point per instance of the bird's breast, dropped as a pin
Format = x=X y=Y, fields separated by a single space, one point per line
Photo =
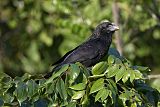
x=103 y=47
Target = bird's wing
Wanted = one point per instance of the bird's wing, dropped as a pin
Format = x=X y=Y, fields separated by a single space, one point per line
x=62 y=59
x=82 y=53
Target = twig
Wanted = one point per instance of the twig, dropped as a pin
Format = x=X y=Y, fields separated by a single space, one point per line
x=118 y=40
x=154 y=76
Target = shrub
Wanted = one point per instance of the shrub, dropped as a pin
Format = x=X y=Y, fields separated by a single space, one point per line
x=112 y=82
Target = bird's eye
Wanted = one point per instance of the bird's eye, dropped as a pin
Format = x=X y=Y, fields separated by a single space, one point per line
x=103 y=28
x=109 y=25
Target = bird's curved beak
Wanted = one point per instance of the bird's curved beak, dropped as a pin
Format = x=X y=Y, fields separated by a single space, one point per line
x=114 y=27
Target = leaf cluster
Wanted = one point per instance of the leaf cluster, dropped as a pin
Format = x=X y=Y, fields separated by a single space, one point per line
x=112 y=82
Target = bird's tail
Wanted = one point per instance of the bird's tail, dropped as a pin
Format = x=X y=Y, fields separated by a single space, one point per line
x=49 y=74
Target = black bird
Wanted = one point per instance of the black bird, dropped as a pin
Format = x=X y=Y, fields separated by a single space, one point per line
x=91 y=51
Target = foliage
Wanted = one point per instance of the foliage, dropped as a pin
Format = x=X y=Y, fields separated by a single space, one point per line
x=35 y=33
x=112 y=82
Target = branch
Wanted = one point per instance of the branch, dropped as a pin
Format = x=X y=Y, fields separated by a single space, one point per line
x=118 y=40
x=154 y=76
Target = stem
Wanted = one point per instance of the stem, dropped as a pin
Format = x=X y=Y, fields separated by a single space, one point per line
x=118 y=40
x=154 y=76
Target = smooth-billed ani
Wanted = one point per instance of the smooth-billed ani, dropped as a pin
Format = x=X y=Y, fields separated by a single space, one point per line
x=91 y=51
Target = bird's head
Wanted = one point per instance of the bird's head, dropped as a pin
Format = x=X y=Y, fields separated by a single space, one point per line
x=105 y=28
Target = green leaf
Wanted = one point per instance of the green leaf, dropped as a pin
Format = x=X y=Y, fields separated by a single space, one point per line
x=99 y=68
x=132 y=75
x=72 y=104
x=97 y=85
x=60 y=88
x=141 y=68
x=134 y=104
x=120 y=73
x=125 y=76
x=57 y=74
x=6 y=79
x=78 y=95
x=111 y=59
x=113 y=90
x=7 y=98
x=118 y=61
x=103 y=94
x=32 y=87
x=21 y=91
x=99 y=94
x=85 y=99
x=85 y=81
x=5 y=82
x=124 y=96
x=112 y=86
x=41 y=81
x=127 y=95
x=138 y=74
x=80 y=86
x=74 y=72
x=111 y=96
x=97 y=76
x=51 y=87
x=64 y=103
x=112 y=71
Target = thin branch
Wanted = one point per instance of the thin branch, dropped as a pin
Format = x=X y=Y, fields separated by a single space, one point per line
x=154 y=76
x=118 y=40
